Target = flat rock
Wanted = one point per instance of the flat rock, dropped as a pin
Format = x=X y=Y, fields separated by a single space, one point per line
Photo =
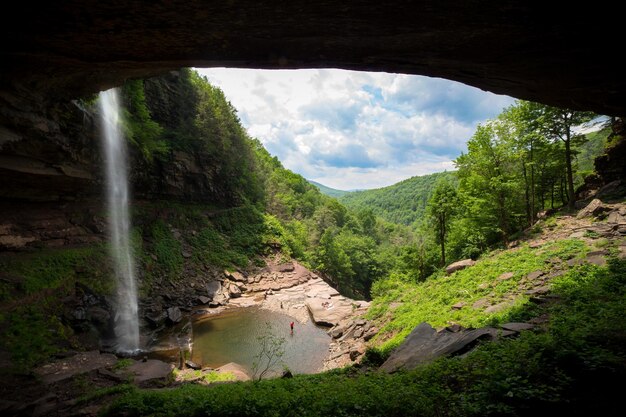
x=517 y=327
x=78 y=364
x=203 y=300
x=425 y=344
x=505 y=276
x=237 y=370
x=150 y=370
x=544 y=289
x=458 y=305
x=534 y=275
x=457 y=266
x=329 y=313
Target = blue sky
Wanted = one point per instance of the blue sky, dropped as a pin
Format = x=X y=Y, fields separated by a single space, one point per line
x=356 y=130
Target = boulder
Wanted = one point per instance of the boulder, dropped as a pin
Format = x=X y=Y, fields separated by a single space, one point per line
x=156 y=318
x=203 y=300
x=174 y=314
x=425 y=344
x=457 y=266
x=191 y=364
x=593 y=209
x=213 y=288
x=234 y=291
x=235 y=276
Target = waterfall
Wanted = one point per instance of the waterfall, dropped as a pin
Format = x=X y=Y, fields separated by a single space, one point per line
x=126 y=320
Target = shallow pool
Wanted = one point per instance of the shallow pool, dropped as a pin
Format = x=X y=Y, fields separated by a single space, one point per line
x=233 y=337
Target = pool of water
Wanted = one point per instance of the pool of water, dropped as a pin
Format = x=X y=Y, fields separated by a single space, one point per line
x=233 y=337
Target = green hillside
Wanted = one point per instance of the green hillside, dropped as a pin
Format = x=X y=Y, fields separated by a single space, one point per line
x=331 y=192
x=402 y=203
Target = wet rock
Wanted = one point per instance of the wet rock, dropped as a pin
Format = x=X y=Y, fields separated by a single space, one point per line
x=150 y=371
x=336 y=332
x=457 y=266
x=174 y=314
x=191 y=364
x=98 y=315
x=156 y=319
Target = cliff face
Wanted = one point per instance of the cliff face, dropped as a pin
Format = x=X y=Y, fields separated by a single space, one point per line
x=51 y=167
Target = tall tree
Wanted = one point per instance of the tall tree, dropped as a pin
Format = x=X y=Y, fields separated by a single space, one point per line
x=490 y=185
x=441 y=208
x=557 y=124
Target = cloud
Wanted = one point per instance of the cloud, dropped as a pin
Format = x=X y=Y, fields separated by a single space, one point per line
x=350 y=129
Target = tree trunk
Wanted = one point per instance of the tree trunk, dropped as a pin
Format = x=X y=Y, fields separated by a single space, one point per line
x=570 y=175
x=532 y=184
x=526 y=193
x=442 y=238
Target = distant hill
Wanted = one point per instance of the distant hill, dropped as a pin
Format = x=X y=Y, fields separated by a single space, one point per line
x=401 y=203
x=331 y=192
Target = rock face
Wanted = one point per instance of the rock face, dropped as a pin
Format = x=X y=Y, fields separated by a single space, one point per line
x=424 y=344
x=234 y=368
x=489 y=44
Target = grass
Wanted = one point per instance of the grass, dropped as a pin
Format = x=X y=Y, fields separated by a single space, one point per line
x=204 y=376
x=432 y=300
x=575 y=368
x=33 y=308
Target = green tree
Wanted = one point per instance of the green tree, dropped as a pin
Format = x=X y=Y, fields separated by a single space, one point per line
x=556 y=124
x=489 y=185
x=441 y=208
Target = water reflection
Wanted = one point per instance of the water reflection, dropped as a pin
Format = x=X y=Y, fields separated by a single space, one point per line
x=232 y=337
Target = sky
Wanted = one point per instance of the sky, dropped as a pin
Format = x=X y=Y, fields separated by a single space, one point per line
x=357 y=130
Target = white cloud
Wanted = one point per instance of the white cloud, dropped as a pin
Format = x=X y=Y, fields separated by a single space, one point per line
x=351 y=129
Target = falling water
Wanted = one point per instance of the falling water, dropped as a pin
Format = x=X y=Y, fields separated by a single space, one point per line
x=126 y=321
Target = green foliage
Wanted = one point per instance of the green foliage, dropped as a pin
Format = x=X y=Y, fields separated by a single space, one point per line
x=441 y=208
x=575 y=368
x=122 y=364
x=32 y=323
x=167 y=249
x=331 y=192
x=432 y=301
x=270 y=354
x=143 y=132
x=402 y=203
